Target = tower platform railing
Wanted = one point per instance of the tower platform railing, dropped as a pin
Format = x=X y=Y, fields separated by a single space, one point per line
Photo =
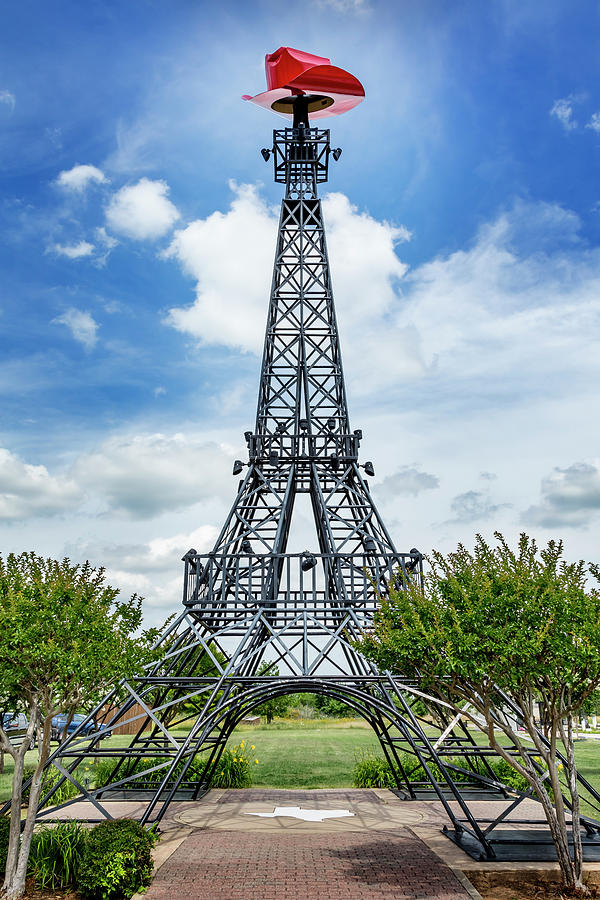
x=301 y=154
x=303 y=446
x=231 y=585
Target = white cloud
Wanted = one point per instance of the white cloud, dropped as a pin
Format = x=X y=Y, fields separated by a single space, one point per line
x=159 y=554
x=594 y=122
x=569 y=497
x=79 y=177
x=406 y=481
x=108 y=242
x=563 y=111
x=231 y=298
x=472 y=506
x=72 y=251
x=81 y=325
x=104 y=238
x=8 y=99
x=515 y=312
x=230 y=257
x=151 y=568
x=470 y=323
x=145 y=475
x=142 y=211
x=27 y=491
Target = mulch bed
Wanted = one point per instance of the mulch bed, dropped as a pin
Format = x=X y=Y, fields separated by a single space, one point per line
x=34 y=893
x=519 y=886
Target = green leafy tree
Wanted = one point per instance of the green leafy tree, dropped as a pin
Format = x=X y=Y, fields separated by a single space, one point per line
x=328 y=706
x=277 y=706
x=64 y=640
x=524 y=623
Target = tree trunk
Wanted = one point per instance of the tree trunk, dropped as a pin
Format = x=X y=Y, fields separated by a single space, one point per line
x=14 y=837
x=555 y=813
x=16 y=875
x=575 y=812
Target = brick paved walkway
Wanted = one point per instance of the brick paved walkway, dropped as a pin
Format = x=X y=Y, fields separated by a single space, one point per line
x=226 y=865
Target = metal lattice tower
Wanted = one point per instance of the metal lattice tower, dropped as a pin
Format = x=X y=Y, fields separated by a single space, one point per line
x=250 y=608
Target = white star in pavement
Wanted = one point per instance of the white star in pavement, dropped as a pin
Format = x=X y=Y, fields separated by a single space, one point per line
x=309 y=815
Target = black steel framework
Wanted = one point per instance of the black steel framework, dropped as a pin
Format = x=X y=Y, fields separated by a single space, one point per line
x=250 y=601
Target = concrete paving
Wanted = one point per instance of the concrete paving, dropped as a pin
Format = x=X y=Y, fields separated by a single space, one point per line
x=389 y=848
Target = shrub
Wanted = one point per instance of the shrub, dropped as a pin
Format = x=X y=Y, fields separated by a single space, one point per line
x=56 y=853
x=372 y=771
x=375 y=772
x=116 y=861
x=104 y=768
x=4 y=833
x=511 y=778
x=235 y=767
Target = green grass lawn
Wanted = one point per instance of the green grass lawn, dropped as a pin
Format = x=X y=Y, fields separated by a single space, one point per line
x=309 y=753
x=315 y=753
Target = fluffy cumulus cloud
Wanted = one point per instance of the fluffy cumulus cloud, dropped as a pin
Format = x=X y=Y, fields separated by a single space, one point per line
x=142 y=211
x=28 y=491
x=72 y=251
x=79 y=178
x=407 y=481
x=140 y=476
x=563 y=111
x=145 y=475
x=231 y=300
x=570 y=497
x=229 y=256
x=471 y=322
x=81 y=324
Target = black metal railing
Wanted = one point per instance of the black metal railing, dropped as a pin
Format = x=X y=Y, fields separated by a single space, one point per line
x=294 y=582
x=343 y=447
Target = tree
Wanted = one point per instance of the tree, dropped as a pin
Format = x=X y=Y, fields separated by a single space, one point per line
x=276 y=706
x=494 y=624
x=64 y=640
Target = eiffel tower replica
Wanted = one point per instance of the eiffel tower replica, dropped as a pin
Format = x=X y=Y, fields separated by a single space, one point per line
x=259 y=622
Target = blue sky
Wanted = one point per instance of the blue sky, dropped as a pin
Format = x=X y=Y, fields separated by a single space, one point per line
x=138 y=223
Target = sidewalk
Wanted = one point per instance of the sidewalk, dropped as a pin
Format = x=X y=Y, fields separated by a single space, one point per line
x=388 y=849
x=219 y=849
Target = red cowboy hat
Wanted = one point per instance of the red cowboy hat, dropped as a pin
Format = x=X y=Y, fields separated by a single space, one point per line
x=290 y=72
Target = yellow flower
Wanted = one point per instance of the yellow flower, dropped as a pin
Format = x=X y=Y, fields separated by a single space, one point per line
x=235 y=758
x=242 y=744
x=222 y=773
x=256 y=761
x=252 y=747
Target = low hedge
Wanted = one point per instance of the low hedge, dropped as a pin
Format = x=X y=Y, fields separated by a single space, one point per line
x=116 y=860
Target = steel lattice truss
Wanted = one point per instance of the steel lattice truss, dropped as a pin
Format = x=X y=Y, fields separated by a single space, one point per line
x=249 y=601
